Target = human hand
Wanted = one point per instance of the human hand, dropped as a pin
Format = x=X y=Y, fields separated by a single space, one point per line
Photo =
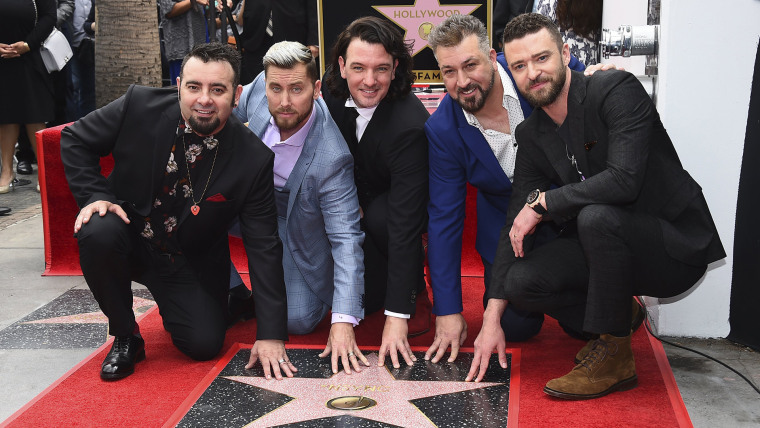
x=490 y=337
x=450 y=331
x=273 y=358
x=524 y=225
x=596 y=67
x=342 y=344
x=395 y=342
x=101 y=208
x=314 y=50
x=13 y=50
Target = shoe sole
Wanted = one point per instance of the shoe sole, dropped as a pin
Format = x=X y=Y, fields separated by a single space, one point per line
x=623 y=385
x=117 y=376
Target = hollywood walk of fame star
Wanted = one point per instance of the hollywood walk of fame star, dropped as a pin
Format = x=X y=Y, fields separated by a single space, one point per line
x=310 y=396
x=418 y=19
x=139 y=306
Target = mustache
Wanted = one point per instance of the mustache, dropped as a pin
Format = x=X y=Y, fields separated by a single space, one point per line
x=540 y=79
x=468 y=88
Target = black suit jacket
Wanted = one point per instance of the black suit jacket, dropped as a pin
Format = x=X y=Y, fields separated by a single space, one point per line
x=625 y=154
x=392 y=157
x=138 y=129
x=293 y=20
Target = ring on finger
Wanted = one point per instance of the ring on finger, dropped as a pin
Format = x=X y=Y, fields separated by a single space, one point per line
x=351 y=354
x=281 y=360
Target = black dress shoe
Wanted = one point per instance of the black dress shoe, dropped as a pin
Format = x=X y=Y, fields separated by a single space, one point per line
x=240 y=305
x=5 y=210
x=24 y=167
x=120 y=361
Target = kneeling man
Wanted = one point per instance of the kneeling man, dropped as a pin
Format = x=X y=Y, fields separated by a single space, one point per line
x=317 y=205
x=183 y=171
x=634 y=221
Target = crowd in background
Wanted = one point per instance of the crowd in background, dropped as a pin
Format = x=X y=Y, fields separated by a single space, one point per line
x=65 y=96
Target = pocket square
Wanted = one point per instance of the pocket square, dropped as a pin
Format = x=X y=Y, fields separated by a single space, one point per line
x=216 y=198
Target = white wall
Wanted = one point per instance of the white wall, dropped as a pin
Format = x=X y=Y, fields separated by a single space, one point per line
x=707 y=56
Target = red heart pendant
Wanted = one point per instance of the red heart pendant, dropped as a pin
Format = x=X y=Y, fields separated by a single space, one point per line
x=195 y=209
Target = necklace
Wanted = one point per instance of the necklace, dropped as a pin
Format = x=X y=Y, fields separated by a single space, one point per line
x=210 y=142
x=572 y=160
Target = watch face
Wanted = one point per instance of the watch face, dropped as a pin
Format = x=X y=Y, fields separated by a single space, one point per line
x=533 y=196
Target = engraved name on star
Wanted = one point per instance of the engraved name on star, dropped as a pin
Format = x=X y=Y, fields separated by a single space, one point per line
x=418 y=19
x=310 y=396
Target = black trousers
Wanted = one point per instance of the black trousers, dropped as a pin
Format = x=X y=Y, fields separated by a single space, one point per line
x=376 y=239
x=586 y=277
x=112 y=255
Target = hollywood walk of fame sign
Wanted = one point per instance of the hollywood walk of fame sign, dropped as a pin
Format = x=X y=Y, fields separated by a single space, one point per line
x=416 y=18
x=422 y=395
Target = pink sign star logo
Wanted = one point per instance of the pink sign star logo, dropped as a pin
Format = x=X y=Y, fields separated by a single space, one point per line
x=420 y=18
x=377 y=383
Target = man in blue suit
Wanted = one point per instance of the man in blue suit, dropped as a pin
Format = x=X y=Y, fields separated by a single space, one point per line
x=471 y=137
x=317 y=204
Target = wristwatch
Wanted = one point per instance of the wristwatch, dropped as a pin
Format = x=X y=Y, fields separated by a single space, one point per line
x=534 y=201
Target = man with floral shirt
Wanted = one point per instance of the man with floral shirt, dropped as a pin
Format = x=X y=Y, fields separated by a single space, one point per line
x=182 y=173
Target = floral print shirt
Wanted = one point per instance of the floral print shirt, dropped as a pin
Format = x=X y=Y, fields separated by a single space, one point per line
x=159 y=228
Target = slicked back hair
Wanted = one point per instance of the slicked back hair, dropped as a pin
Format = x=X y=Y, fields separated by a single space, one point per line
x=373 y=30
x=287 y=55
x=456 y=28
x=215 y=51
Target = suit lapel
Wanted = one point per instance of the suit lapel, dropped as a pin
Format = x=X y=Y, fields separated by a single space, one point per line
x=162 y=146
x=575 y=114
x=304 y=159
x=478 y=144
x=553 y=147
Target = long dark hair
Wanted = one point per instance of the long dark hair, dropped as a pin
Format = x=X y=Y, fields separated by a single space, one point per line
x=372 y=30
x=584 y=17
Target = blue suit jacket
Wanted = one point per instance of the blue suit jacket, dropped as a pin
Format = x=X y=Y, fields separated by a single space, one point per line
x=459 y=154
x=323 y=231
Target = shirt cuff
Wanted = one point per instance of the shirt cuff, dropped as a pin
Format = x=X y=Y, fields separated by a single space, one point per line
x=345 y=318
x=397 y=315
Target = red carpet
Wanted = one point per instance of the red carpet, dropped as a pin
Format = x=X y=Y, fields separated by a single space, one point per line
x=59 y=210
x=161 y=383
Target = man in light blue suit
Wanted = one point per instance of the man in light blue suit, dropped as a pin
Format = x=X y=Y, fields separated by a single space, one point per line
x=317 y=204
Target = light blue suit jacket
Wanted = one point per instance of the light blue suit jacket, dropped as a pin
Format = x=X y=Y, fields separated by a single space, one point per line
x=323 y=231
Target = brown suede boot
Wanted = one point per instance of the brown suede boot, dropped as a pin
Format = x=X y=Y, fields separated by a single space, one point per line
x=637 y=318
x=608 y=367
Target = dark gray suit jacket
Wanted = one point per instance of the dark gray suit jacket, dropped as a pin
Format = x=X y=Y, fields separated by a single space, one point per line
x=627 y=158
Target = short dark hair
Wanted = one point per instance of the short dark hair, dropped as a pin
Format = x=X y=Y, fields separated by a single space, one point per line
x=531 y=23
x=287 y=54
x=374 y=30
x=215 y=51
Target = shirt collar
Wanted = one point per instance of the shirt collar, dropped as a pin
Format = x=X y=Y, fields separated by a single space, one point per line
x=509 y=92
x=299 y=137
x=365 y=112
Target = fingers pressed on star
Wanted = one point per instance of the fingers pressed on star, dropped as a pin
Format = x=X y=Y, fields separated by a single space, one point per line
x=274 y=360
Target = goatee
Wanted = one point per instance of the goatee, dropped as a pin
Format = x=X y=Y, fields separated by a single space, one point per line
x=206 y=127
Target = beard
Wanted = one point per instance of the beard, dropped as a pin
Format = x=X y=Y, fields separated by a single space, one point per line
x=292 y=123
x=476 y=103
x=204 y=127
x=546 y=95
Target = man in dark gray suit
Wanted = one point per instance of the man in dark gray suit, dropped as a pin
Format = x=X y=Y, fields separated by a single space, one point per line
x=634 y=221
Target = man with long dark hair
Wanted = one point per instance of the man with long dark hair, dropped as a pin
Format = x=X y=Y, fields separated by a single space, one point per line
x=369 y=95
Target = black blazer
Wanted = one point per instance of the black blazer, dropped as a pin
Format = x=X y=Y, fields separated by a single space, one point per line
x=294 y=20
x=392 y=157
x=625 y=154
x=138 y=129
